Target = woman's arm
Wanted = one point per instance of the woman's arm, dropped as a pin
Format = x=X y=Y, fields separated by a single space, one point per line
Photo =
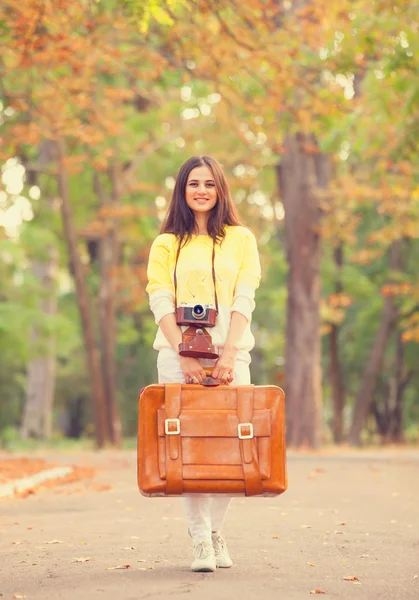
x=171 y=330
x=248 y=279
x=191 y=367
x=225 y=364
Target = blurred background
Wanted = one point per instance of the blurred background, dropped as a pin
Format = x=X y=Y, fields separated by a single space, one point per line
x=312 y=109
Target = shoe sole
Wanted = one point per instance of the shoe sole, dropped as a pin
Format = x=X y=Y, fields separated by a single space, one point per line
x=204 y=570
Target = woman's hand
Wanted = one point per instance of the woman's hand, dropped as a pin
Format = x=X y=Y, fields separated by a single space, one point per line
x=224 y=367
x=192 y=368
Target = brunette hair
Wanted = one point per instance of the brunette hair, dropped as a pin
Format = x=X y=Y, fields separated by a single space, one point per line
x=180 y=219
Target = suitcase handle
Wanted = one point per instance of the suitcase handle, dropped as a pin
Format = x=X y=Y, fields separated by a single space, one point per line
x=210 y=381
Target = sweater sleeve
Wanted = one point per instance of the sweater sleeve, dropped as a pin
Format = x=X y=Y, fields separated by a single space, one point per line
x=248 y=278
x=160 y=286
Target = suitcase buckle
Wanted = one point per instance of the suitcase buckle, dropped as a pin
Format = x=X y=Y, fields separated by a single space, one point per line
x=167 y=424
x=245 y=436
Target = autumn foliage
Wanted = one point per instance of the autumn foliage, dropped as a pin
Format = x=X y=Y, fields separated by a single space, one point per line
x=101 y=103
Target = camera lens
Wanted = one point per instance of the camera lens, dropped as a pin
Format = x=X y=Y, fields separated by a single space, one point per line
x=198 y=311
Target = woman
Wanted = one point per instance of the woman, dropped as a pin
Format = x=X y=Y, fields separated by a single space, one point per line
x=202 y=219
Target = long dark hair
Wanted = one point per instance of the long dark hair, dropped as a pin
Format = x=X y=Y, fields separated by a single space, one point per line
x=180 y=219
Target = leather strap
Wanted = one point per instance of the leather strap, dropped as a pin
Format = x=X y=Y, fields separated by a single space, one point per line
x=174 y=465
x=248 y=450
x=213 y=275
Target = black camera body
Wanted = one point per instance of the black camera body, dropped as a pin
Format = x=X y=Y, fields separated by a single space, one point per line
x=196 y=315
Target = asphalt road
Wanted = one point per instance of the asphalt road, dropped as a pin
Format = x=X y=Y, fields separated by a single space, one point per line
x=350 y=515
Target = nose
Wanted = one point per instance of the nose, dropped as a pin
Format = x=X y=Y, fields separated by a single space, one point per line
x=201 y=188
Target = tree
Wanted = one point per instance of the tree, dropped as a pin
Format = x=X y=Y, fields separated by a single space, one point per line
x=300 y=173
x=59 y=103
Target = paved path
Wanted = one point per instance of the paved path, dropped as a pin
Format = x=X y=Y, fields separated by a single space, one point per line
x=344 y=515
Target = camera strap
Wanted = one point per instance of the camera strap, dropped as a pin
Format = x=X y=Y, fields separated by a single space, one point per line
x=213 y=275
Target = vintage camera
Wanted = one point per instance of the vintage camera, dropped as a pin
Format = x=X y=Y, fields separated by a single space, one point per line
x=196 y=315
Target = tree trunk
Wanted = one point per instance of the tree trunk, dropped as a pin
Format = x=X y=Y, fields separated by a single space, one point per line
x=374 y=363
x=92 y=352
x=336 y=381
x=338 y=393
x=402 y=379
x=390 y=417
x=382 y=410
x=301 y=172
x=108 y=260
x=40 y=382
x=37 y=412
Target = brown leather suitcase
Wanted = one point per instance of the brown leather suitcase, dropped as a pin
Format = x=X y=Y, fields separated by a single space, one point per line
x=226 y=439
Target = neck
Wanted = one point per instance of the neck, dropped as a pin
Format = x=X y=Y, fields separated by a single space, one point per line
x=201 y=221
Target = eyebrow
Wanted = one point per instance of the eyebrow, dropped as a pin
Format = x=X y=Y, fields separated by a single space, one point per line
x=206 y=181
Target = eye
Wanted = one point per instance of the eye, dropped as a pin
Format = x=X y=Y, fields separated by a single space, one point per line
x=210 y=185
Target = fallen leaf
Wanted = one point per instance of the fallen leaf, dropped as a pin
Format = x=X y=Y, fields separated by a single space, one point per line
x=54 y=542
x=18 y=596
x=83 y=559
x=141 y=560
x=311 y=564
x=313 y=474
x=317 y=591
x=275 y=537
x=118 y=567
x=364 y=555
x=128 y=548
x=415 y=576
x=339 y=532
x=350 y=578
x=100 y=487
x=306 y=526
x=17 y=543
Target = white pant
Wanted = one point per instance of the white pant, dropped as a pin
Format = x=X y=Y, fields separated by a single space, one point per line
x=205 y=512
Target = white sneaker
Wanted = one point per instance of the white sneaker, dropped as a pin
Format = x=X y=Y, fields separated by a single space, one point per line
x=204 y=558
x=222 y=556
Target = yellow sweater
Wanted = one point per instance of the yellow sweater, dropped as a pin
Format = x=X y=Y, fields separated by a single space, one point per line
x=237 y=270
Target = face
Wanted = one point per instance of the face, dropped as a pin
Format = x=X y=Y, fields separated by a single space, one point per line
x=200 y=192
